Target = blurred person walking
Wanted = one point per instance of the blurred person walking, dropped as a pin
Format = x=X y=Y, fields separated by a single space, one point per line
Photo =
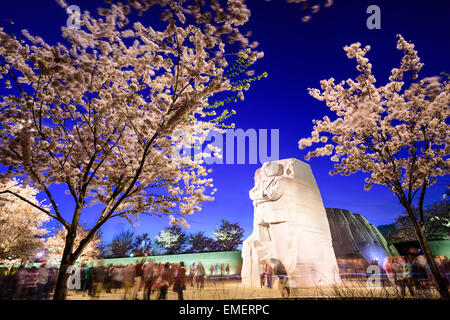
x=387 y=266
x=262 y=274
x=99 y=279
x=30 y=283
x=200 y=276
x=83 y=278
x=404 y=276
x=283 y=279
x=172 y=273
x=52 y=276
x=192 y=270
x=89 y=280
x=108 y=284
x=117 y=277
x=163 y=282
x=396 y=269
x=138 y=272
x=149 y=273
x=42 y=284
x=216 y=268
x=20 y=281
x=420 y=275
x=269 y=276
x=444 y=268
x=128 y=278
x=180 y=281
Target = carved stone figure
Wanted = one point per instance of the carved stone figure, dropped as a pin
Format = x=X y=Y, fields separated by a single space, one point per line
x=290 y=226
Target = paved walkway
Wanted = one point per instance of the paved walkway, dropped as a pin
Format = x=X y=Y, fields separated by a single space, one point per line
x=229 y=290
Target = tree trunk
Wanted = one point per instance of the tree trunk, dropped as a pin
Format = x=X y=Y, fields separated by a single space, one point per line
x=440 y=282
x=66 y=261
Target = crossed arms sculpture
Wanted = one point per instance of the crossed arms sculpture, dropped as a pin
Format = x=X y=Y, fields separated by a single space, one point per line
x=273 y=237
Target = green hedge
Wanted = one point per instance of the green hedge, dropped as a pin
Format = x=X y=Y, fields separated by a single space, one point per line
x=233 y=258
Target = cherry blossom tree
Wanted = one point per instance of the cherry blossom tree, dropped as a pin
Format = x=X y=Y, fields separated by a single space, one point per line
x=310 y=7
x=21 y=223
x=55 y=246
x=172 y=239
x=97 y=112
x=397 y=133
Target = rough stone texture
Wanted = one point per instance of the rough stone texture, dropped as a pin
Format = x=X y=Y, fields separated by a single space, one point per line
x=290 y=226
x=354 y=236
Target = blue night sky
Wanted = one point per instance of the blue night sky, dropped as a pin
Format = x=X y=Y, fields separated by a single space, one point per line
x=297 y=56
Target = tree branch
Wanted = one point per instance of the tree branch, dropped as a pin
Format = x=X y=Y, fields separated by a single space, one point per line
x=36 y=206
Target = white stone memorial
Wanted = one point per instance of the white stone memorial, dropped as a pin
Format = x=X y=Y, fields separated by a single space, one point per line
x=290 y=225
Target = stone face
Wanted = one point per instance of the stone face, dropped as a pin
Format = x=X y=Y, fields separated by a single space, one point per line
x=290 y=226
x=354 y=237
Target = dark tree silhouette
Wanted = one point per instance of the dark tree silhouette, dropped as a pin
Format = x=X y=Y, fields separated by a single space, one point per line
x=122 y=244
x=436 y=223
x=200 y=243
x=228 y=236
x=142 y=244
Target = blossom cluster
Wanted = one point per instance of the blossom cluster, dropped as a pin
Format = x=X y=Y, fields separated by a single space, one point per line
x=55 y=246
x=97 y=112
x=397 y=132
x=22 y=225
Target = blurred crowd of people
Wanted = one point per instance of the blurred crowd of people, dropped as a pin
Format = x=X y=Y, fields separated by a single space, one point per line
x=144 y=279
x=274 y=271
x=134 y=281
x=404 y=273
x=29 y=283
x=413 y=273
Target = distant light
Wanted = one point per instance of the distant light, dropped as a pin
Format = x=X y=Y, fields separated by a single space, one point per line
x=131 y=255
